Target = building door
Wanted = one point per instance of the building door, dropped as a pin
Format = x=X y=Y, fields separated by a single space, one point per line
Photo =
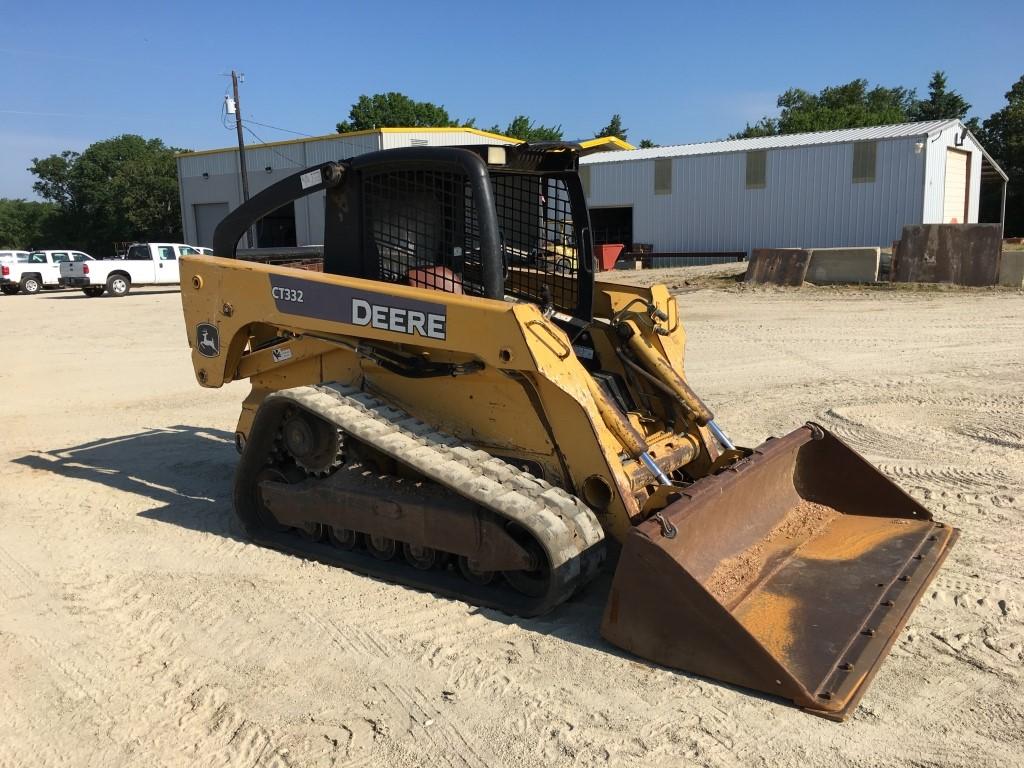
x=612 y=225
x=958 y=176
x=208 y=216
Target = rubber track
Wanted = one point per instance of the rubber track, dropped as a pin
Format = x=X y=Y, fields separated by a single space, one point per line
x=564 y=526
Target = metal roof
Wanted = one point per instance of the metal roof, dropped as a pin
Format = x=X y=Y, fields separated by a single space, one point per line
x=841 y=136
x=352 y=134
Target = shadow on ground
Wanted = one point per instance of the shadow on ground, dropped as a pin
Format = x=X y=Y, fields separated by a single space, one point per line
x=79 y=295
x=187 y=470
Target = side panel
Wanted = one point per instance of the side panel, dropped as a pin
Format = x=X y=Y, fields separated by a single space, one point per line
x=532 y=392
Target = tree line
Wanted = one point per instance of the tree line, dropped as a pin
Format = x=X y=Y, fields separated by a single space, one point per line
x=126 y=187
x=396 y=110
x=119 y=189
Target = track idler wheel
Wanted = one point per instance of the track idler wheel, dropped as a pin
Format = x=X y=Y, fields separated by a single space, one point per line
x=423 y=558
x=312 y=531
x=533 y=582
x=381 y=547
x=473 y=574
x=344 y=538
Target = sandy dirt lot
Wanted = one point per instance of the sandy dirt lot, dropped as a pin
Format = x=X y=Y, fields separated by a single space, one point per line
x=138 y=628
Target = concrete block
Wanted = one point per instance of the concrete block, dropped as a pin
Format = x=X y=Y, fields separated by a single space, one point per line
x=778 y=266
x=844 y=265
x=962 y=254
x=1011 y=269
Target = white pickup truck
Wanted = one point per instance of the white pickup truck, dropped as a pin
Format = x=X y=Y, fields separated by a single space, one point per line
x=42 y=269
x=143 y=264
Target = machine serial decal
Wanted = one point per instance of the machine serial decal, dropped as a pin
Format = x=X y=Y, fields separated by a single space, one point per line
x=340 y=303
x=207 y=340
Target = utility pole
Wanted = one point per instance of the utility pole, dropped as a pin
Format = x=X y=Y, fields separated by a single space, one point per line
x=241 y=151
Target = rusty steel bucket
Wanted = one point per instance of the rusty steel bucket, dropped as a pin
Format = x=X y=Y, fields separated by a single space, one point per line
x=792 y=573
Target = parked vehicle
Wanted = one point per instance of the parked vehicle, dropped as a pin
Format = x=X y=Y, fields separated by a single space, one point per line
x=12 y=257
x=40 y=270
x=143 y=264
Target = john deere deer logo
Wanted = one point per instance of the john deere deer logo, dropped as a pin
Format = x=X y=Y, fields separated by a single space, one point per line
x=207 y=340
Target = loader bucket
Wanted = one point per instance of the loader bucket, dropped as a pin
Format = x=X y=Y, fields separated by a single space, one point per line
x=792 y=573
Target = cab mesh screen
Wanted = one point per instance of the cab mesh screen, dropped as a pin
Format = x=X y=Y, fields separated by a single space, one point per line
x=538 y=239
x=424 y=231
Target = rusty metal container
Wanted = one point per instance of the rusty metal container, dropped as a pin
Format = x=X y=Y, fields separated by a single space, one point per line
x=791 y=573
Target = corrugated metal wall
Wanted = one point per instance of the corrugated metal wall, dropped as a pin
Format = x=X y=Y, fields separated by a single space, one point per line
x=432 y=138
x=935 y=184
x=224 y=182
x=809 y=199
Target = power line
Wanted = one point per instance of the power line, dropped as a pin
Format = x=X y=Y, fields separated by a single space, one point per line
x=261 y=141
x=283 y=130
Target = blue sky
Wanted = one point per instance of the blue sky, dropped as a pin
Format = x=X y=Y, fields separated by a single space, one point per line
x=77 y=72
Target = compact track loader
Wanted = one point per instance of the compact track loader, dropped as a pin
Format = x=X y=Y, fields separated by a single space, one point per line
x=448 y=407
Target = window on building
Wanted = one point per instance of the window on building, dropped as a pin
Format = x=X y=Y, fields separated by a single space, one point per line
x=663 y=176
x=757 y=168
x=864 y=155
x=585 y=179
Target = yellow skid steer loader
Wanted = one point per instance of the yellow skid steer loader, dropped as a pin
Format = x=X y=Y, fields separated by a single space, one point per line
x=447 y=407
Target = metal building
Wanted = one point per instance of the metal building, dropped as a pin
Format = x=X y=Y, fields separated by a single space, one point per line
x=210 y=182
x=853 y=187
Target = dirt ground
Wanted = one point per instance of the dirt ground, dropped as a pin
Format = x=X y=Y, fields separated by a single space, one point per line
x=138 y=628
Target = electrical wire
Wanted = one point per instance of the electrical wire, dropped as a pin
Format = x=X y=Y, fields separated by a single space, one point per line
x=261 y=141
x=283 y=130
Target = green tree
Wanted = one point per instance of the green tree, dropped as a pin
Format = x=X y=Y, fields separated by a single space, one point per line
x=54 y=174
x=852 y=105
x=26 y=224
x=522 y=127
x=941 y=104
x=647 y=144
x=122 y=188
x=766 y=126
x=1004 y=140
x=396 y=110
x=614 y=128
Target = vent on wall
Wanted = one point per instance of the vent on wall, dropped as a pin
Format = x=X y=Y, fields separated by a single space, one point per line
x=663 y=176
x=864 y=155
x=757 y=169
x=418 y=142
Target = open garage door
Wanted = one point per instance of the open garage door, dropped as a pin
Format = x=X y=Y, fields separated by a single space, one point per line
x=956 y=197
x=612 y=225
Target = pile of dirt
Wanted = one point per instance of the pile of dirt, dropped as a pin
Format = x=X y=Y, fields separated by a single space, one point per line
x=733 y=577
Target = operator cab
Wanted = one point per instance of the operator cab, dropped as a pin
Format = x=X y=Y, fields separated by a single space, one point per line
x=500 y=222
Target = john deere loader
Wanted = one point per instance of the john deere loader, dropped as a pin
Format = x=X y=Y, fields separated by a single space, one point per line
x=448 y=407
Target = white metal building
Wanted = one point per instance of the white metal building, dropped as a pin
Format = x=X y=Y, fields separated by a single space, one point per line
x=853 y=187
x=210 y=182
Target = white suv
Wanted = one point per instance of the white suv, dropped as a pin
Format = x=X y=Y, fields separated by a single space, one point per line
x=13 y=257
